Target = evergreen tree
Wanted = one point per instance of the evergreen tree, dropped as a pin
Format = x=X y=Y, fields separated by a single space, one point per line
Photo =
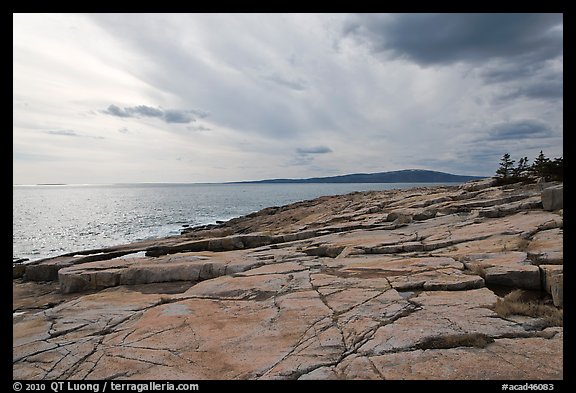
x=540 y=166
x=543 y=167
x=521 y=171
x=505 y=171
x=556 y=169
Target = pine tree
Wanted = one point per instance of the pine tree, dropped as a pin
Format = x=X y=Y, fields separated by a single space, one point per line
x=506 y=164
x=521 y=170
x=556 y=169
x=540 y=166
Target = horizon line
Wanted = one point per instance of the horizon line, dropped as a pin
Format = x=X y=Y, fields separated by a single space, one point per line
x=56 y=184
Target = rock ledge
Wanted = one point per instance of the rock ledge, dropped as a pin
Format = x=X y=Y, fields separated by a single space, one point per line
x=371 y=285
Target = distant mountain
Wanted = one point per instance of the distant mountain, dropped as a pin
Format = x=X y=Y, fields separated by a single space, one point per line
x=403 y=176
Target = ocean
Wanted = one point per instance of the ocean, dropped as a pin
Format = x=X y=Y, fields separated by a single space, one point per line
x=50 y=220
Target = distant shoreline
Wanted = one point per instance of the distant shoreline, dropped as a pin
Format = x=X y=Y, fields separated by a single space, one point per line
x=402 y=176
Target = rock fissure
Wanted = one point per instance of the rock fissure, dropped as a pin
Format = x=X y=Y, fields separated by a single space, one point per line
x=123 y=356
x=94 y=366
x=303 y=339
x=68 y=372
x=369 y=334
x=375 y=369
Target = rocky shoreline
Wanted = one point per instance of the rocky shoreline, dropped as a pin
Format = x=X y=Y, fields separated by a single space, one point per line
x=445 y=282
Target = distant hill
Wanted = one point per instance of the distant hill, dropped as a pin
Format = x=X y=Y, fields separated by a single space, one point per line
x=403 y=176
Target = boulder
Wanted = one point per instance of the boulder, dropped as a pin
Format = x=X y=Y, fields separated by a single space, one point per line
x=47 y=270
x=546 y=247
x=553 y=282
x=557 y=289
x=510 y=269
x=399 y=217
x=425 y=215
x=519 y=276
x=553 y=197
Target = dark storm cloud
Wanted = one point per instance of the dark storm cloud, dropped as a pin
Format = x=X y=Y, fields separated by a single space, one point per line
x=314 y=150
x=166 y=115
x=430 y=39
x=522 y=53
x=520 y=129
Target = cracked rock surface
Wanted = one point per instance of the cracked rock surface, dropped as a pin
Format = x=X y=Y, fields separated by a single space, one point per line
x=372 y=285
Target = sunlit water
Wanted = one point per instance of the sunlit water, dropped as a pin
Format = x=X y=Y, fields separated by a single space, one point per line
x=57 y=219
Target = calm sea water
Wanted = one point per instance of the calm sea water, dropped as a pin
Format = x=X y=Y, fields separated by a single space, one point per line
x=57 y=219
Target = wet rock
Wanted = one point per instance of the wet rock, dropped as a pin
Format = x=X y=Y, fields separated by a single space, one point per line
x=18 y=270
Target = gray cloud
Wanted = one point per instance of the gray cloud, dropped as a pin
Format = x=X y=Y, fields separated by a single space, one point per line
x=382 y=95
x=63 y=132
x=313 y=150
x=198 y=128
x=521 y=51
x=546 y=88
x=300 y=160
x=166 y=115
x=173 y=116
x=71 y=133
x=294 y=84
x=500 y=72
x=116 y=111
x=430 y=39
x=237 y=79
x=520 y=129
x=144 y=110
x=305 y=155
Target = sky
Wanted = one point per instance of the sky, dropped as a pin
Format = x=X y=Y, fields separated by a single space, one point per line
x=186 y=98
